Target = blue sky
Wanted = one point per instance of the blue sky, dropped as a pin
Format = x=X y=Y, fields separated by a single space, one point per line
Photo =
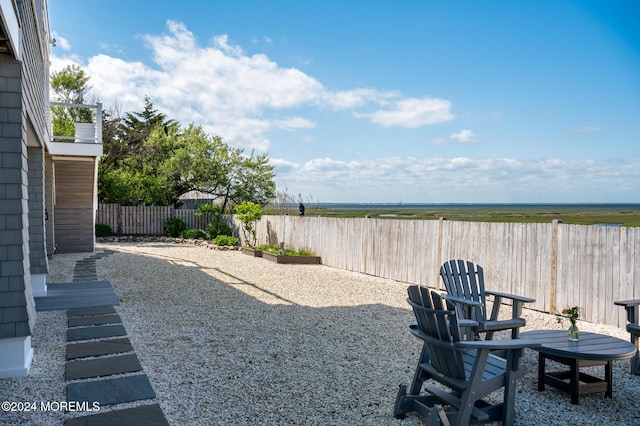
x=385 y=101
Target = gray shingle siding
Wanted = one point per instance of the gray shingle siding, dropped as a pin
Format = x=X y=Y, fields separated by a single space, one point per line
x=15 y=290
x=49 y=207
x=37 y=253
x=23 y=99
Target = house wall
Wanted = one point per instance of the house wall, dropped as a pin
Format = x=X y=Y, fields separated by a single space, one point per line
x=17 y=307
x=74 y=205
x=23 y=130
x=35 y=57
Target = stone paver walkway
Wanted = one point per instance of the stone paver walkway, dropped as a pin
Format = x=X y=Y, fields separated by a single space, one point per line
x=101 y=364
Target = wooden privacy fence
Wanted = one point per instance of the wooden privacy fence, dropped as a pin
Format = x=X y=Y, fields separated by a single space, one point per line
x=143 y=220
x=558 y=265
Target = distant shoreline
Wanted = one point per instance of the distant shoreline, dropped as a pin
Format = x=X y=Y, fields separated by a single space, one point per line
x=476 y=206
x=610 y=214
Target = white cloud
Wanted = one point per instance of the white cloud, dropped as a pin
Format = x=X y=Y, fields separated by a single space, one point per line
x=293 y=123
x=235 y=95
x=462 y=180
x=464 y=136
x=347 y=99
x=584 y=131
x=412 y=113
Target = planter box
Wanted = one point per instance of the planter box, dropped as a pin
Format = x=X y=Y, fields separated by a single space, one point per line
x=252 y=252
x=283 y=258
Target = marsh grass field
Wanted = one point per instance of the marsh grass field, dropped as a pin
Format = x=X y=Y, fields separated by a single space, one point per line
x=613 y=215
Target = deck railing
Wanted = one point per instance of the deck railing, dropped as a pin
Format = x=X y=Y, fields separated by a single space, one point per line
x=90 y=132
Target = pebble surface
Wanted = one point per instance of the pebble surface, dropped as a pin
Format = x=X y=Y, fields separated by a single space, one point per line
x=229 y=339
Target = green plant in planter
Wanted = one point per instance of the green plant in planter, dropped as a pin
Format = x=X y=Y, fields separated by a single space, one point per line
x=269 y=248
x=281 y=250
x=305 y=252
x=249 y=213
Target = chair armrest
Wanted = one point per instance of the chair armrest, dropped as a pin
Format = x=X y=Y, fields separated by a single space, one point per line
x=513 y=349
x=516 y=311
x=467 y=323
x=513 y=297
x=633 y=310
x=628 y=303
x=498 y=344
x=462 y=301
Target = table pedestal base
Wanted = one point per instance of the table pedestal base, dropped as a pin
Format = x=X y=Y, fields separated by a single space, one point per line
x=573 y=381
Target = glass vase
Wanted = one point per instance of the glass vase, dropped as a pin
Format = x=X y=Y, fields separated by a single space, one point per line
x=574 y=333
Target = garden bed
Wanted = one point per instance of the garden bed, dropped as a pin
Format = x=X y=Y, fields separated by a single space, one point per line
x=296 y=259
x=252 y=252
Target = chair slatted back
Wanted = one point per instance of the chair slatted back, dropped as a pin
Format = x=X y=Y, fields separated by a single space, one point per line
x=465 y=280
x=438 y=323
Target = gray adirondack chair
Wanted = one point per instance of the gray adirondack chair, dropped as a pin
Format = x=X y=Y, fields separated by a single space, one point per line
x=467 y=368
x=633 y=327
x=464 y=282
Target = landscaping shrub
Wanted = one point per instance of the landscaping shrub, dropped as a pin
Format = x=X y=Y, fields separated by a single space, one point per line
x=194 y=234
x=103 y=230
x=226 y=240
x=173 y=226
x=216 y=228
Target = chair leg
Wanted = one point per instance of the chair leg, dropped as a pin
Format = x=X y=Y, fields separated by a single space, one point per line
x=635 y=364
x=419 y=377
x=508 y=406
x=399 y=411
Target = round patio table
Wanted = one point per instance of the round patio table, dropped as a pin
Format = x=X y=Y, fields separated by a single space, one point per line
x=592 y=349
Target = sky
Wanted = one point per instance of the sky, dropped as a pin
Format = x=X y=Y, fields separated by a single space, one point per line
x=385 y=101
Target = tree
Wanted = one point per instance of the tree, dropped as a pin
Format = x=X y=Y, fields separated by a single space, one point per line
x=207 y=164
x=70 y=86
x=142 y=177
x=249 y=213
x=253 y=180
x=137 y=126
x=114 y=148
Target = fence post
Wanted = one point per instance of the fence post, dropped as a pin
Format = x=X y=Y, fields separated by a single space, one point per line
x=439 y=259
x=554 y=266
x=119 y=215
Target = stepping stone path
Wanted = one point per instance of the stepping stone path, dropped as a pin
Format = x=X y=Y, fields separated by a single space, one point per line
x=102 y=366
x=85 y=269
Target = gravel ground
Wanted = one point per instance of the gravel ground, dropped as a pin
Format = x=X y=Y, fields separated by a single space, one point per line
x=228 y=339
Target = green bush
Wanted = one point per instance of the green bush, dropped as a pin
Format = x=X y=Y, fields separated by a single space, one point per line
x=215 y=228
x=173 y=226
x=195 y=234
x=103 y=230
x=226 y=240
